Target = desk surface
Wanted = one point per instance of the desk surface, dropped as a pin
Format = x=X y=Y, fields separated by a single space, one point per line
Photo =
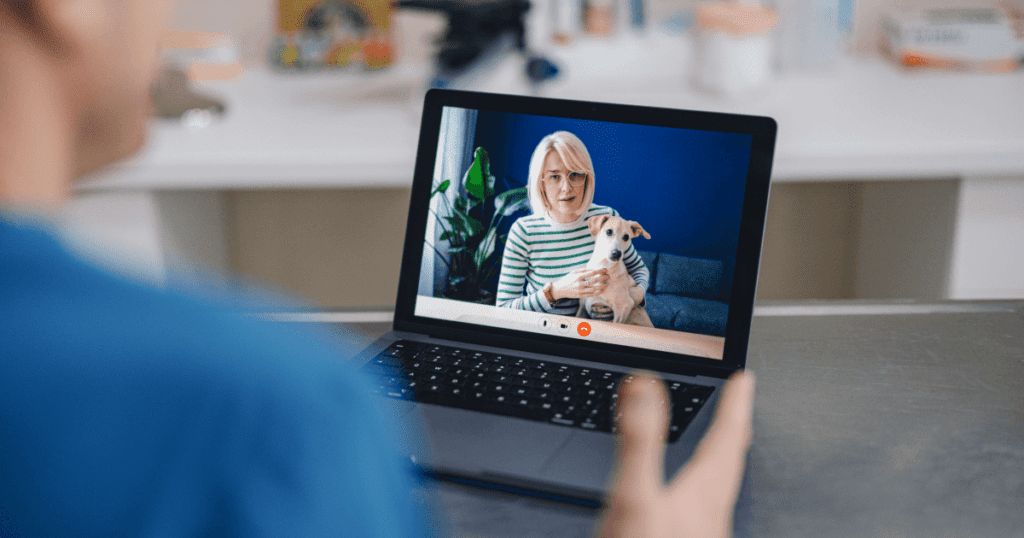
x=906 y=424
x=865 y=119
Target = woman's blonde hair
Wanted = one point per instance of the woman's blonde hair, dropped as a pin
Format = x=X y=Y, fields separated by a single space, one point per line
x=576 y=158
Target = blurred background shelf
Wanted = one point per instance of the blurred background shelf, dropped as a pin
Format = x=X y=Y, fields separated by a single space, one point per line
x=888 y=184
x=863 y=120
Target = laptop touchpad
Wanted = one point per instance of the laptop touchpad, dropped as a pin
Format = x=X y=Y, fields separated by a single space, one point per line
x=473 y=443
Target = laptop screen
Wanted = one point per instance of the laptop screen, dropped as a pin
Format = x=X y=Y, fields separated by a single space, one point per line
x=610 y=232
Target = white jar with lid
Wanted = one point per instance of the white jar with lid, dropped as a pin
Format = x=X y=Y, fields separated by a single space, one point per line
x=734 y=52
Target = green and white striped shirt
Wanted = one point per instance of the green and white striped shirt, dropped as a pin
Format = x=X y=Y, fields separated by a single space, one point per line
x=540 y=250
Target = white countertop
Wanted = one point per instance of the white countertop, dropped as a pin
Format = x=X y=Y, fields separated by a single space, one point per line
x=865 y=119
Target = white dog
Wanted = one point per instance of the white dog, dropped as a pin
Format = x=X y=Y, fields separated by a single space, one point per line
x=611 y=239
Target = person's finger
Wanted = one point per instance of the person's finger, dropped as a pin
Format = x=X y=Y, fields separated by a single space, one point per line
x=722 y=452
x=642 y=429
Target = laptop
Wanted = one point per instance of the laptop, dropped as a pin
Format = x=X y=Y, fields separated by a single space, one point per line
x=511 y=382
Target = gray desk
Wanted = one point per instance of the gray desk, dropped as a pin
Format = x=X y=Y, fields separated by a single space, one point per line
x=876 y=421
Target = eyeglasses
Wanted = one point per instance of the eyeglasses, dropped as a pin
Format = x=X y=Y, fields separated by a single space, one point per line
x=575 y=179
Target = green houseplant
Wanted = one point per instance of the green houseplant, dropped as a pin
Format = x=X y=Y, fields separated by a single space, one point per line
x=474 y=249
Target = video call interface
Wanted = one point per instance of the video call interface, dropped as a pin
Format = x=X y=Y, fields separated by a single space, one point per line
x=632 y=230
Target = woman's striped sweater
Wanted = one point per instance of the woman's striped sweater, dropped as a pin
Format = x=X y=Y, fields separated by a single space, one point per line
x=540 y=250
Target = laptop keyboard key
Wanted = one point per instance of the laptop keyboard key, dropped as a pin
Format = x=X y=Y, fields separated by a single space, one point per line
x=543 y=385
x=544 y=395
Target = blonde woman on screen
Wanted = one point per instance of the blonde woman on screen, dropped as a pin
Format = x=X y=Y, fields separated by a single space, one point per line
x=543 y=268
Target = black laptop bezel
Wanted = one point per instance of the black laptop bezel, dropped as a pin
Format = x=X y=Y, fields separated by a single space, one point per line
x=755 y=202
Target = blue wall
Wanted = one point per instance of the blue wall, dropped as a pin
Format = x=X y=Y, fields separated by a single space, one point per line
x=684 y=187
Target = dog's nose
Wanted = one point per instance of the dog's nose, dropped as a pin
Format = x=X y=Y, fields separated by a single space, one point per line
x=615 y=255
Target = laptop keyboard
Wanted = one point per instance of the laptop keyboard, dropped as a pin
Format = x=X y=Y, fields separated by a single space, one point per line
x=531 y=389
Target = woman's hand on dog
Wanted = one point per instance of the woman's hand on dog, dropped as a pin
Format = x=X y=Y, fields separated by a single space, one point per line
x=698 y=501
x=580 y=284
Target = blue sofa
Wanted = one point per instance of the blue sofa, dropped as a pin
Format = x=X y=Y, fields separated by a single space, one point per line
x=686 y=294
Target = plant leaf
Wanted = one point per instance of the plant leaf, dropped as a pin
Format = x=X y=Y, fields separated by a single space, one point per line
x=465 y=225
x=485 y=169
x=510 y=201
x=443 y=187
x=486 y=248
x=476 y=177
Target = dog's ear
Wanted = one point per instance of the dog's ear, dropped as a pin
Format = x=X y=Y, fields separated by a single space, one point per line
x=638 y=230
x=595 y=223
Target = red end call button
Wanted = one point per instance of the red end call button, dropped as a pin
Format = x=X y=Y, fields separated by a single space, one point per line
x=583 y=329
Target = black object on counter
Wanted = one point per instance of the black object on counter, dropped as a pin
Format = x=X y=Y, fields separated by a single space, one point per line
x=477 y=30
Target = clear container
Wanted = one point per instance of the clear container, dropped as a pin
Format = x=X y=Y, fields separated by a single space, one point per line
x=810 y=37
x=734 y=47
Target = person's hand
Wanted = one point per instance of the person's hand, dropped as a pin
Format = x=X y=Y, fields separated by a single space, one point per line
x=699 y=501
x=602 y=312
x=580 y=284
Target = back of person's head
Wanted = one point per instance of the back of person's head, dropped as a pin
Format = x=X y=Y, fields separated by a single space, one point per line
x=84 y=66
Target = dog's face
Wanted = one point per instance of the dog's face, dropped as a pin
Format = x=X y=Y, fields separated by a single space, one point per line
x=613 y=234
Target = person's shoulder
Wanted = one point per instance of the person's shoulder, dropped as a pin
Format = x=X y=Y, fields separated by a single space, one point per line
x=238 y=351
x=529 y=223
x=596 y=209
x=64 y=307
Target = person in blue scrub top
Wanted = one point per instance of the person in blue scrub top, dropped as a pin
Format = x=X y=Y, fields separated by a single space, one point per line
x=129 y=410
